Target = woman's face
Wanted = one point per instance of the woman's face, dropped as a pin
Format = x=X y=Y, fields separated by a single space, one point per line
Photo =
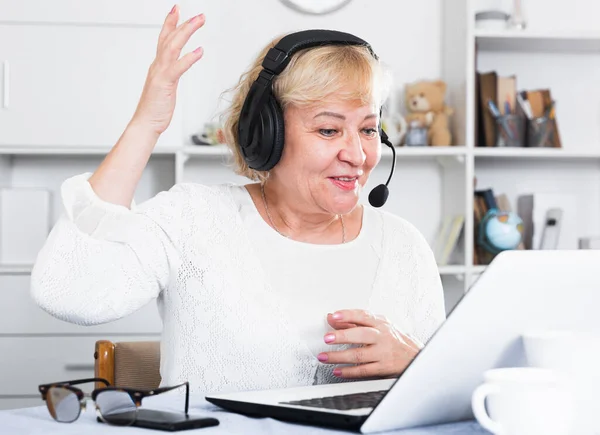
x=330 y=150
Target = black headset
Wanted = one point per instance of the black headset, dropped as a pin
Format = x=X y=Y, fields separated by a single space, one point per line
x=261 y=128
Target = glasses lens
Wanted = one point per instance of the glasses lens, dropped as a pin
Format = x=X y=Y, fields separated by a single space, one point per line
x=63 y=404
x=116 y=407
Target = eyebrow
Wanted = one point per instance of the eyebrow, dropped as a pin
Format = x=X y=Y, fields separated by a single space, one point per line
x=340 y=116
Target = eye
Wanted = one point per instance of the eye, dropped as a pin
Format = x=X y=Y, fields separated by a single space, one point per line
x=371 y=132
x=327 y=132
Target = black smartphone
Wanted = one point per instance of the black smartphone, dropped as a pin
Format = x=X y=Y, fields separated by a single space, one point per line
x=171 y=421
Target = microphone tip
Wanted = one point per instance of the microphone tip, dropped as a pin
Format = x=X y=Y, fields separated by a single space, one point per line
x=379 y=195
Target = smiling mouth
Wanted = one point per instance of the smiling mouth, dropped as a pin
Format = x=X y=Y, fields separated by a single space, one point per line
x=349 y=179
x=345 y=183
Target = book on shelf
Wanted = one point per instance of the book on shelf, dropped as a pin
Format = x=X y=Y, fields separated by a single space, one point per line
x=447 y=238
x=483 y=201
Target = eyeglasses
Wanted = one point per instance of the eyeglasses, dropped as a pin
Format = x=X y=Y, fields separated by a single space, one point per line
x=114 y=405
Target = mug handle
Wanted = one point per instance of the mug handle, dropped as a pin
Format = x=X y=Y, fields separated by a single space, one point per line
x=479 y=410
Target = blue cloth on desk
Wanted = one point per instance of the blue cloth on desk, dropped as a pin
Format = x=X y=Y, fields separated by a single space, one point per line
x=35 y=421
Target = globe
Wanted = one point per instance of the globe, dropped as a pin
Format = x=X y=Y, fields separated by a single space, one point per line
x=500 y=231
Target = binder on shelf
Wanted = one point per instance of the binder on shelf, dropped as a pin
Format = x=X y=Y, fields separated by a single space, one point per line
x=488 y=90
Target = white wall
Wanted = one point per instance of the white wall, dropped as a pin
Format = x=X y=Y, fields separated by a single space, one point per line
x=236 y=30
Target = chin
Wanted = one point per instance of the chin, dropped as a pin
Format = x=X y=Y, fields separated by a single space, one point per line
x=342 y=198
x=344 y=204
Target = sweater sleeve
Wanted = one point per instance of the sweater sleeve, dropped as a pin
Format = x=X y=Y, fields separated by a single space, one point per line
x=103 y=261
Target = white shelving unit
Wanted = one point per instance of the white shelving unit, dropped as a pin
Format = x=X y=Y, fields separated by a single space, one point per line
x=44 y=140
x=565 y=60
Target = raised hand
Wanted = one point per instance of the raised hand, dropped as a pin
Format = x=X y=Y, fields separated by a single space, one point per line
x=116 y=178
x=384 y=350
x=157 y=102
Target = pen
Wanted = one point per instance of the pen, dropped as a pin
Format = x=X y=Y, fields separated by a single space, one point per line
x=493 y=109
x=549 y=112
x=496 y=114
x=524 y=102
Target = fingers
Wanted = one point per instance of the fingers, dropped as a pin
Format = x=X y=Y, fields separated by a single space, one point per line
x=337 y=324
x=169 y=26
x=175 y=41
x=370 y=370
x=359 y=355
x=358 y=317
x=186 y=62
x=357 y=335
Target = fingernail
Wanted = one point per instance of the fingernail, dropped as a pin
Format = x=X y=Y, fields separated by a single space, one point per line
x=329 y=338
x=196 y=18
x=337 y=316
x=337 y=372
x=173 y=9
x=322 y=357
x=198 y=50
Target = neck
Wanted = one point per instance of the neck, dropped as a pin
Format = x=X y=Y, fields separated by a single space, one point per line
x=290 y=217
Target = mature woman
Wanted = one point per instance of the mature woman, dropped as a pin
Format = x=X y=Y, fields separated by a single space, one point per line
x=282 y=282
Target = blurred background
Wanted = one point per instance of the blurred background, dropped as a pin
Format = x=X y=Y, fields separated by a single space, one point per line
x=521 y=168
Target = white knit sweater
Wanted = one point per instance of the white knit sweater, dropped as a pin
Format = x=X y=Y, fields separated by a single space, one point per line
x=225 y=324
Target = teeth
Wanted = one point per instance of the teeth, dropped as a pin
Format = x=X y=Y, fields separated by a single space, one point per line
x=345 y=179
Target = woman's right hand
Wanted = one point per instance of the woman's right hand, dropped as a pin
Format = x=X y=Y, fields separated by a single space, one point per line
x=157 y=102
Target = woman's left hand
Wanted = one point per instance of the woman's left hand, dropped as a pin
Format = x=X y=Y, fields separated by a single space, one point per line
x=385 y=351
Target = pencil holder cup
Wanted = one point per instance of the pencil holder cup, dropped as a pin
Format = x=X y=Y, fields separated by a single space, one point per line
x=540 y=132
x=510 y=131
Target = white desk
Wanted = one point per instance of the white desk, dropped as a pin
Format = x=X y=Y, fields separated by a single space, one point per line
x=36 y=421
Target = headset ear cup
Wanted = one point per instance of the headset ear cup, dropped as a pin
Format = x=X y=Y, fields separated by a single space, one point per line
x=276 y=141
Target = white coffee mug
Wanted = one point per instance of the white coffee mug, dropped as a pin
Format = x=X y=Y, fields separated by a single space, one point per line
x=575 y=354
x=524 y=401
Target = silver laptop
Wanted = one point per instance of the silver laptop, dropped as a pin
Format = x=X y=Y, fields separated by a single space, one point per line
x=520 y=290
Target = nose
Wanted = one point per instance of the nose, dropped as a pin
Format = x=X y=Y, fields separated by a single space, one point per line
x=353 y=151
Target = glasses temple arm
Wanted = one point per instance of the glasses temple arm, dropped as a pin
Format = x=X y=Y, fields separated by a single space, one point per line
x=187 y=397
x=75 y=382
x=187 y=393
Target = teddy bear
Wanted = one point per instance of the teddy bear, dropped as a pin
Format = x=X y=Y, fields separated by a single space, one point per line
x=426 y=108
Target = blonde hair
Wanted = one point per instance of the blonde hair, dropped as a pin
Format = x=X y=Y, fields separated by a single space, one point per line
x=320 y=74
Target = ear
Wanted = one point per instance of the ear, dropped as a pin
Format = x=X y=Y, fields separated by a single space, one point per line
x=440 y=84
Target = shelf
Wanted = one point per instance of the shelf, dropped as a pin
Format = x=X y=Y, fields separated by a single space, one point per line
x=214 y=150
x=69 y=150
x=25 y=270
x=478 y=269
x=452 y=270
x=222 y=150
x=540 y=153
x=527 y=40
x=206 y=150
x=15 y=270
x=427 y=151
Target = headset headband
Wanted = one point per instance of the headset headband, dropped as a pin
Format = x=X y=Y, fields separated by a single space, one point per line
x=279 y=56
x=275 y=61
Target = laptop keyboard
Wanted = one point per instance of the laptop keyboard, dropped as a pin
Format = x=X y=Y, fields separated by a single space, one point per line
x=344 y=402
